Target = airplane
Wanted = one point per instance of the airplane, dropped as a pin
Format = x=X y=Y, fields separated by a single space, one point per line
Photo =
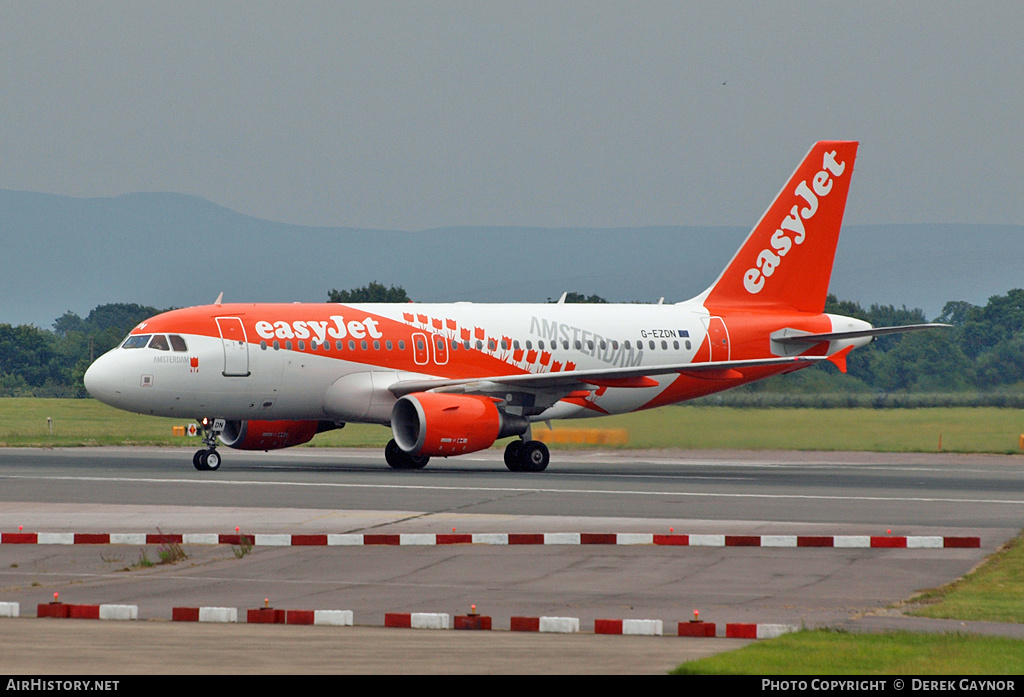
x=451 y=379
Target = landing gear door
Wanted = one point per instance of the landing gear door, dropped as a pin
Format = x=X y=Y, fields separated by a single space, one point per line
x=236 y=348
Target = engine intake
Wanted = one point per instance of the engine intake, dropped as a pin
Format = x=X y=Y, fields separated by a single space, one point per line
x=430 y=423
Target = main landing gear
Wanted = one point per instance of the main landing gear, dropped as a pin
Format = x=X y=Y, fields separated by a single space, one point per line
x=401 y=460
x=527 y=456
x=520 y=456
x=208 y=460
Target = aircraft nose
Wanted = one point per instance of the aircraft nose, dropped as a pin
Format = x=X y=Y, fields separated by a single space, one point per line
x=104 y=379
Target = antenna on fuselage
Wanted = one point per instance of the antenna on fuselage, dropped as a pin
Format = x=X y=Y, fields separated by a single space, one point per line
x=219 y=298
x=561 y=300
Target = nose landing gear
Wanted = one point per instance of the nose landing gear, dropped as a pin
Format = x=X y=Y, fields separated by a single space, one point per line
x=208 y=460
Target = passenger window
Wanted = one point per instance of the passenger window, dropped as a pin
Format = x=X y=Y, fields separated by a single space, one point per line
x=177 y=343
x=136 y=341
x=159 y=343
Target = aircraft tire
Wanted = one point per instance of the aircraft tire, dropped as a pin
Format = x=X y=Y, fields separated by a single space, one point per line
x=534 y=456
x=394 y=455
x=400 y=460
x=207 y=460
x=212 y=460
x=512 y=459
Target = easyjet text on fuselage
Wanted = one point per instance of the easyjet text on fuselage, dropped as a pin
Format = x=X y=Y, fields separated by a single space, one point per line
x=335 y=327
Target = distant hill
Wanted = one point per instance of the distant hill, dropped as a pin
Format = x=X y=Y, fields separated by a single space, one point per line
x=62 y=253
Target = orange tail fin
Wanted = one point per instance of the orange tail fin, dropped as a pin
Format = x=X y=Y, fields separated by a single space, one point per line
x=786 y=261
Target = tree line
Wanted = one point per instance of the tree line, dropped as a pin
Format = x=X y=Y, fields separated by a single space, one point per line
x=983 y=351
x=51 y=362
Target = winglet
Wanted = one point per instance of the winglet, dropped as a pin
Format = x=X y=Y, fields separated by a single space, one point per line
x=839 y=358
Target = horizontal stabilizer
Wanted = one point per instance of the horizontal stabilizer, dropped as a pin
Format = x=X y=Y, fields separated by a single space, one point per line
x=854 y=334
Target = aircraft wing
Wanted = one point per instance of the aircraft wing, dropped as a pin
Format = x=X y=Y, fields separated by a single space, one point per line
x=638 y=376
x=854 y=334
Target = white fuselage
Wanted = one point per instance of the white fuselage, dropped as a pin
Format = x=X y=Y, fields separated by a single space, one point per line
x=335 y=362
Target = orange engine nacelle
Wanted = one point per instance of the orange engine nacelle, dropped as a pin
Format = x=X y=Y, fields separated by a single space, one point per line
x=429 y=423
x=268 y=435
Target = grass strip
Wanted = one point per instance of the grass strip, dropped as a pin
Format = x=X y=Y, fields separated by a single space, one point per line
x=829 y=652
x=992 y=592
x=23 y=422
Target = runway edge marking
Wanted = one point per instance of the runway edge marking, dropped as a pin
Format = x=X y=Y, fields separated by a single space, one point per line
x=499 y=539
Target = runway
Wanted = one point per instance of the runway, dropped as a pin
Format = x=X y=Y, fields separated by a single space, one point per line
x=824 y=489
x=309 y=490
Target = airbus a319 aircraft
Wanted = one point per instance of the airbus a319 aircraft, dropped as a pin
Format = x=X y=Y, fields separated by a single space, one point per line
x=451 y=379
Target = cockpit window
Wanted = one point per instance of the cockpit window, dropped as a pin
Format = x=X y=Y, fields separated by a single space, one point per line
x=177 y=343
x=159 y=343
x=136 y=341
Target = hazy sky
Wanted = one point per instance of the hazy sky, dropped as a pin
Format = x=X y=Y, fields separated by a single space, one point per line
x=411 y=115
